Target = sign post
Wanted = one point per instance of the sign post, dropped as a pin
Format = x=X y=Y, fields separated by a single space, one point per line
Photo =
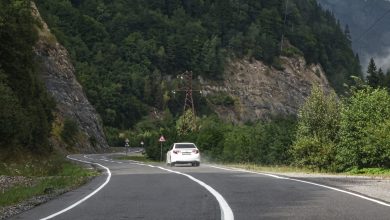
x=142 y=147
x=127 y=145
x=161 y=140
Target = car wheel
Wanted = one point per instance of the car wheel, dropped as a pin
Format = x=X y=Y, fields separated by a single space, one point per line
x=172 y=164
x=197 y=164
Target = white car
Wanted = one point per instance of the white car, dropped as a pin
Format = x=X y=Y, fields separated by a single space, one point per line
x=183 y=153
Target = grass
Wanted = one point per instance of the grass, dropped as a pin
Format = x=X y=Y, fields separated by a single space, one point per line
x=139 y=158
x=370 y=172
x=48 y=176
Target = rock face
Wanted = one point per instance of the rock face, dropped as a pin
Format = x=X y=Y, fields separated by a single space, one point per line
x=260 y=92
x=59 y=78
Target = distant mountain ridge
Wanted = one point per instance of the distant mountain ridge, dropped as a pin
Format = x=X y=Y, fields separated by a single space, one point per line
x=360 y=15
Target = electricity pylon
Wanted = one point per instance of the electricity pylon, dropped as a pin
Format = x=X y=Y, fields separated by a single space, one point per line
x=189 y=116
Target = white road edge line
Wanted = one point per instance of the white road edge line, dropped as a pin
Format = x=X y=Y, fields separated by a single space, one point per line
x=247 y=171
x=343 y=191
x=226 y=211
x=307 y=182
x=86 y=197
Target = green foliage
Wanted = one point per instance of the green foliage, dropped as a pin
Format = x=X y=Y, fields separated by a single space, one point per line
x=69 y=131
x=338 y=137
x=292 y=52
x=25 y=110
x=317 y=133
x=372 y=171
x=262 y=143
x=12 y=118
x=210 y=137
x=364 y=127
x=221 y=98
x=65 y=176
x=372 y=74
x=186 y=123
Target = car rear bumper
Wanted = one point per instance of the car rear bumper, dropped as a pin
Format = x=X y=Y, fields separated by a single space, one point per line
x=185 y=158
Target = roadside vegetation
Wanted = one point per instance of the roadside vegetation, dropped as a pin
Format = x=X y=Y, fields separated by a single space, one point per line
x=346 y=134
x=40 y=176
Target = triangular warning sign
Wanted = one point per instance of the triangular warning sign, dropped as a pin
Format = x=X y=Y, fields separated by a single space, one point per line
x=162 y=139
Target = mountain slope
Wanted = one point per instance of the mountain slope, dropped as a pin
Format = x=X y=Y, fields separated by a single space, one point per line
x=253 y=91
x=25 y=106
x=57 y=73
x=124 y=50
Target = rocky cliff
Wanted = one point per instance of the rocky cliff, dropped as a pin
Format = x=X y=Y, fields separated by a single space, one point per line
x=258 y=91
x=58 y=75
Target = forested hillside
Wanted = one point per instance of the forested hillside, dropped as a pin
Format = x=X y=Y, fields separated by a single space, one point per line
x=25 y=108
x=123 y=50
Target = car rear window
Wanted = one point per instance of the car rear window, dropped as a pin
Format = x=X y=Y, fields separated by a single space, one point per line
x=185 y=146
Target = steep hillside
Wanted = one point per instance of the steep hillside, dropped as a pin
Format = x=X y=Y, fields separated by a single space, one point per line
x=252 y=90
x=360 y=15
x=25 y=106
x=72 y=105
x=122 y=50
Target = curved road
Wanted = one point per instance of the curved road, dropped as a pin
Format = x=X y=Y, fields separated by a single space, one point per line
x=154 y=191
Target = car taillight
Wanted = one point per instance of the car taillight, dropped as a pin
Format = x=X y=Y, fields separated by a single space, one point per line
x=176 y=151
x=195 y=151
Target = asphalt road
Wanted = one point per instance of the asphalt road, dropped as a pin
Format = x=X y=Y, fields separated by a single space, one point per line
x=135 y=190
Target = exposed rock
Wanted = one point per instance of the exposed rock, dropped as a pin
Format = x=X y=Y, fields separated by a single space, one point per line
x=261 y=91
x=58 y=75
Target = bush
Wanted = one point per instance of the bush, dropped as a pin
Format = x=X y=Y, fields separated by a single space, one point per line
x=221 y=98
x=364 y=130
x=69 y=131
x=263 y=143
x=317 y=134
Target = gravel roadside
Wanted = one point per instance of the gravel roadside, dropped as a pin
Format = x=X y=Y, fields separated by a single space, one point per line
x=374 y=187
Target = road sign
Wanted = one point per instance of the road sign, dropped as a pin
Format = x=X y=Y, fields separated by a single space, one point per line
x=162 y=139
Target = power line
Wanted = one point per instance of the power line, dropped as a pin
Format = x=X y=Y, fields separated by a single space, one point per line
x=373 y=25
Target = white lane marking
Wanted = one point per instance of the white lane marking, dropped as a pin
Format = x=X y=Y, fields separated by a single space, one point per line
x=86 y=197
x=247 y=171
x=226 y=211
x=307 y=182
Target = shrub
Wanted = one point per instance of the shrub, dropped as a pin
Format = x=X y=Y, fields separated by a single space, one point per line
x=221 y=98
x=69 y=131
x=317 y=133
x=365 y=124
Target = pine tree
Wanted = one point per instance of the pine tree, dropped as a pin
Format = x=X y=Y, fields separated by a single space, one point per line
x=347 y=33
x=387 y=81
x=372 y=74
x=381 y=78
